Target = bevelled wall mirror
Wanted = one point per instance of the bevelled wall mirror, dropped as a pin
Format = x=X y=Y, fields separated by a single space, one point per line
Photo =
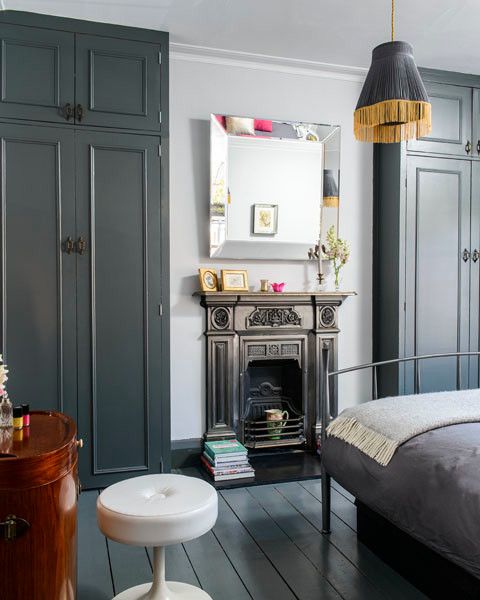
x=274 y=187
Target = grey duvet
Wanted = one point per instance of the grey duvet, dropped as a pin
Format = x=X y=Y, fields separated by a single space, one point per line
x=430 y=489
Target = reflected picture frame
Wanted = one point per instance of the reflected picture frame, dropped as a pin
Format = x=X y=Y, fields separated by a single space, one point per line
x=265 y=219
x=234 y=280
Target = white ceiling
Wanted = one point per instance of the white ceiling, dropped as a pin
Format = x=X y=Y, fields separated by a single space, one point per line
x=444 y=33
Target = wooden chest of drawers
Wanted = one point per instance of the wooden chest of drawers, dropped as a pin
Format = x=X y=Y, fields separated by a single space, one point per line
x=38 y=509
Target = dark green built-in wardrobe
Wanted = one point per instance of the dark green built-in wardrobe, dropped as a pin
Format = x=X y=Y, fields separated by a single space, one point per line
x=84 y=234
x=427 y=243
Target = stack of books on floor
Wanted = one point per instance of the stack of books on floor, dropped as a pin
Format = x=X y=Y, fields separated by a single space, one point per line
x=226 y=459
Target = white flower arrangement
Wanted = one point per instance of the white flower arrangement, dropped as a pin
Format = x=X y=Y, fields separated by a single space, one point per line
x=337 y=250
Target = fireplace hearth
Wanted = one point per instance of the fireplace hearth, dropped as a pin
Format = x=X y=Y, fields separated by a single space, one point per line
x=263 y=353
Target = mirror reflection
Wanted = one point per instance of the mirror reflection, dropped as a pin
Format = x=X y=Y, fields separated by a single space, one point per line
x=274 y=187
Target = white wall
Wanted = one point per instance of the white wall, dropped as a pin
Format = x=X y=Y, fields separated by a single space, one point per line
x=198 y=89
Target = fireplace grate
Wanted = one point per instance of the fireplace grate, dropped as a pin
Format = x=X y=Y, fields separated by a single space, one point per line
x=260 y=433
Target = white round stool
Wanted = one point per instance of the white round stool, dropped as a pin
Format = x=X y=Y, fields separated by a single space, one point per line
x=158 y=510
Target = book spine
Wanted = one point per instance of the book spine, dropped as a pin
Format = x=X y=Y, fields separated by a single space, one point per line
x=231 y=471
x=236 y=476
x=234 y=461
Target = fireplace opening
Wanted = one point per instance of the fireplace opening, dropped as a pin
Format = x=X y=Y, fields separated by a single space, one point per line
x=273 y=405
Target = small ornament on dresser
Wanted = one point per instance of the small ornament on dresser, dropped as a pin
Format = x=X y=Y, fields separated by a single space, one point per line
x=6 y=409
x=278 y=287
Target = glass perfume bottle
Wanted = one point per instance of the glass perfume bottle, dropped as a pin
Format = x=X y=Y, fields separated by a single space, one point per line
x=6 y=412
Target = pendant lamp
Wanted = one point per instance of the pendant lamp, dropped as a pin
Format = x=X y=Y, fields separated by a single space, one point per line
x=393 y=105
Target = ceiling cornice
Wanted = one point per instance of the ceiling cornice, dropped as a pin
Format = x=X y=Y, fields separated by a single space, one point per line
x=264 y=62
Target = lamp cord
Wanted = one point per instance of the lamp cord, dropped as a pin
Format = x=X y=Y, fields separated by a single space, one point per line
x=393 y=20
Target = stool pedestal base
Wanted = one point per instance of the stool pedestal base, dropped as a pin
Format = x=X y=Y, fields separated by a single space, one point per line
x=160 y=589
x=172 y=591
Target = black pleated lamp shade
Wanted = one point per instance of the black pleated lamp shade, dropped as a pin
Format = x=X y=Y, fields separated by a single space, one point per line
x=393 y=105
x=330 y=189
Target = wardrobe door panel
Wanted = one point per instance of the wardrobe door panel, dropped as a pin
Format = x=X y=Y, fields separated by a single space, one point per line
x=474 y=375
x=476 y=124
x=451 y=120
x=118 y=83
x=119 y=321
x=437 y=277
x=38 y=276
x=37 y=73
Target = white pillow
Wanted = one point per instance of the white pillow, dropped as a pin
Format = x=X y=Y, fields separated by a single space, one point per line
x=240 y=125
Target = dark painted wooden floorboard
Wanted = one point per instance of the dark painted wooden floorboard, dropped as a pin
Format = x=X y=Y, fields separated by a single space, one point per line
x=385 y=579
x=214 y=570
x=130 y=565
x=178 y=567
x=340 y=572
x=94 y=578
x=256 y=571
x=303 y=578
x=343 y=491
x=343 y=508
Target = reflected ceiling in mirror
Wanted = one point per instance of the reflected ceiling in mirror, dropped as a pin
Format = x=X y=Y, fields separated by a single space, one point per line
x=274 y=187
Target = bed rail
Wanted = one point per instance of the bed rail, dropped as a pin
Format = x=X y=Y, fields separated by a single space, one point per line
x=326 y=409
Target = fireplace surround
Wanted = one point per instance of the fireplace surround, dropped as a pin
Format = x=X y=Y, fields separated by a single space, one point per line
x=263 y=351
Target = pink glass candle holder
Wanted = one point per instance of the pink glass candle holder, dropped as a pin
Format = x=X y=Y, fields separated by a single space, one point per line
x=278 y=287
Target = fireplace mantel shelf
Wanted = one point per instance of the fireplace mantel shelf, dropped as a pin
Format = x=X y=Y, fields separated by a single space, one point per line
x=278 y=295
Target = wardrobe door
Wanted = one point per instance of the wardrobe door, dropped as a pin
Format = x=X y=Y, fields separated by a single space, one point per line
x=37 y=73
x=451 y=121
x=118 y=83
x=437 y=269
x=119 y=298
x=37 y=273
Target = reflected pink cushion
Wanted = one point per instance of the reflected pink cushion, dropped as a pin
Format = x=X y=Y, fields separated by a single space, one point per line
x=263 y=125
x=221 y=119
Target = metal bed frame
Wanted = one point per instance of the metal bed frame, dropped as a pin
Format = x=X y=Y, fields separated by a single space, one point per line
x=326 y=412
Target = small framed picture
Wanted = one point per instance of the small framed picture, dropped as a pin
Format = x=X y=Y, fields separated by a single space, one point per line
x=208 y=280
x=234 y=281
x=265 y=219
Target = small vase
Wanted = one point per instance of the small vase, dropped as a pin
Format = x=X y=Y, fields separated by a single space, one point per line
x=337 y=282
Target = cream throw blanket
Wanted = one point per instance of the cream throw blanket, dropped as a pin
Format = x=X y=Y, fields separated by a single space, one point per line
x=379 y=427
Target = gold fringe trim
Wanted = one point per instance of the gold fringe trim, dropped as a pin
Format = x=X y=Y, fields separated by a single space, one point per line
x=330 y=201
x=370 y=442
x=392 y=121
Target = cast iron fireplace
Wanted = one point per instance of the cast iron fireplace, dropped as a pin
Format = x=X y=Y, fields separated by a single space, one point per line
x=264 y=351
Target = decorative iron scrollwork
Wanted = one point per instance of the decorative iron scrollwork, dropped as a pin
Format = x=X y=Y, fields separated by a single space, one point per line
x=220 y=317
x=327 y=316
x=274 y=317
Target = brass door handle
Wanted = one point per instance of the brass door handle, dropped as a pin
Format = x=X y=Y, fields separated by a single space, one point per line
x=69 y=245
x=478 y=147
x=465 y=255
x=468 y=147
x=475 y=255
x=67 y=111
x=79 y=112
x=81 y=245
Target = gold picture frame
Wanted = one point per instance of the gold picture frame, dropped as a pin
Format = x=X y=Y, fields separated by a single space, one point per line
x=208 y=280
x=234 y=280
